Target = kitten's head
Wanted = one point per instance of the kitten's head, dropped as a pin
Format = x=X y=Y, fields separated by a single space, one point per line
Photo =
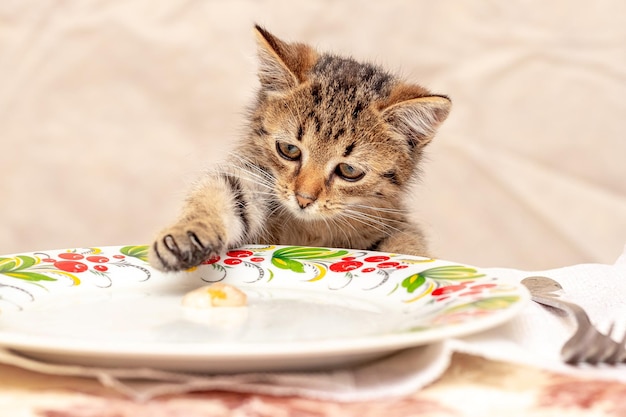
x=337 y=134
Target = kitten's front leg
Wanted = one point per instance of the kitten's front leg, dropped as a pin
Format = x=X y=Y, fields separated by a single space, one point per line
x=218 y=214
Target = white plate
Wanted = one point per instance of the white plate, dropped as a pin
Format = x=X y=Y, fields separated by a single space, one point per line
x=308 y=308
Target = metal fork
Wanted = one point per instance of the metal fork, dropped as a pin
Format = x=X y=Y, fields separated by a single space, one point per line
x=587 y=344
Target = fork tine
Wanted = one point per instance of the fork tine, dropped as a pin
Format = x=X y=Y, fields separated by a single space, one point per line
x=621 y=357
x=606 y=347
x=579 y=349
x=594 y=347
x=619 y=352
x=601 y=348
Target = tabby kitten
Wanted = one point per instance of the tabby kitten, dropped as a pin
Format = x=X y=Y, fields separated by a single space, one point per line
x=331 y=148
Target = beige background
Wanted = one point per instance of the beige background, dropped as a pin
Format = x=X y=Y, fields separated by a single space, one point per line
x=108 y=109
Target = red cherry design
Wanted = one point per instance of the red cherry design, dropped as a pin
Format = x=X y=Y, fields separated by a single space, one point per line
x=239 y=253
x=388 y=264
x=98 y=259
x=211 y=260
x=447 y=290
x=232 y=261
x=482 y=286
x=71 y=266
x=348 y=258
x=368 y=270
x=49 y=260
x=71 y=256
x=345 y=266
x=402 y=266
x=100 y=268
x=376 y=259
x=119 y=256
x=257 y=259
x=468 y=293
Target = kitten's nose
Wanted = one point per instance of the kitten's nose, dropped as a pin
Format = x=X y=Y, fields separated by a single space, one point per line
x=304 y=200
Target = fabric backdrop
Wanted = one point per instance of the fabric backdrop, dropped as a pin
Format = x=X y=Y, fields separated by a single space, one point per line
x=108 y=110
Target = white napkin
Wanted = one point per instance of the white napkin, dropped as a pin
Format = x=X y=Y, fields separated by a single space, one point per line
x=399 y=374
x=536 y=336
x=533 y=338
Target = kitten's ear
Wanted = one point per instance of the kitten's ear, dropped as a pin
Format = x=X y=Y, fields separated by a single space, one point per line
x=415 y=113
x=282 y=65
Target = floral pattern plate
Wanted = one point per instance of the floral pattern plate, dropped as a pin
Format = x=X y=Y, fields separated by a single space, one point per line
x=308 y=308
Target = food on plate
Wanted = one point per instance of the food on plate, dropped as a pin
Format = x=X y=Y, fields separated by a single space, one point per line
x=217 y=294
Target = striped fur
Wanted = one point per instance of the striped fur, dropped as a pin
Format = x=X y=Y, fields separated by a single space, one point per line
x=331 y=149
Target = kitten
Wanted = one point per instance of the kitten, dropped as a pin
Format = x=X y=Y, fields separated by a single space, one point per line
x=330 y=151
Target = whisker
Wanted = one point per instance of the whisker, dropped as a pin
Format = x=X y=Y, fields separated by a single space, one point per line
x=259 y=179
x=249 y=165
x=330 y=231
x=370 y=221
x=377 y=208
x=277 y=209
x=387 y=225
x=336 y=222
x=378 y=219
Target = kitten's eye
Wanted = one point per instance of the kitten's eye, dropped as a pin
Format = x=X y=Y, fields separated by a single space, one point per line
x=348 y=172
x=288 y=151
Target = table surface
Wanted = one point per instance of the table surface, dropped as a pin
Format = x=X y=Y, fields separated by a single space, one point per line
x=471 y=386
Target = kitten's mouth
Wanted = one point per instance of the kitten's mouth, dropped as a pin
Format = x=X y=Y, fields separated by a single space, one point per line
x=304 y=210
x=303 y=207
x=306 y=213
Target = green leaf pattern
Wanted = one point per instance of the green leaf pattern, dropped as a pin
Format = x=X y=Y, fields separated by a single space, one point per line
x=140 y=252
x=20 y=267
x=294 y=258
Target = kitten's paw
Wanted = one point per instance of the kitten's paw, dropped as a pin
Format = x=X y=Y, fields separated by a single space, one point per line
x=185 y=245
